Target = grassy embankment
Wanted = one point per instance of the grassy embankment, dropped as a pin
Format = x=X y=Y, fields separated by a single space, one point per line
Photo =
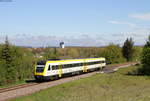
x=13 y=84
x=100 y=87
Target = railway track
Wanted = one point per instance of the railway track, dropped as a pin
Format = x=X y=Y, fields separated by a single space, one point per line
x=24 y=89
x=2 y=90
x=112 y=68
x=108 y=69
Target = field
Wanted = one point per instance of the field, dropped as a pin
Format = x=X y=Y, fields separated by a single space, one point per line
x=100 y=87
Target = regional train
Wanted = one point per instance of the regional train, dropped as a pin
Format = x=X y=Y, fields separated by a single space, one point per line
x=53 y=69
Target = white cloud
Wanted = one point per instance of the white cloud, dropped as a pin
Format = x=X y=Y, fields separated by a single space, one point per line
x=114 y=22
x=51 y=40
x=145 y=16
x=139 y=36
x=132 y=25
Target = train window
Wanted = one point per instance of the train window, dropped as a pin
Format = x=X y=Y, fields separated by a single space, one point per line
x=49 y=67
x=80 y=64
x=65 y=66
x=55 y=67
x=72 y=65
x=41 y=62
x=92 y=63
x=69 y=65
x=103 y=61
x=76 y=65
x=39 y=70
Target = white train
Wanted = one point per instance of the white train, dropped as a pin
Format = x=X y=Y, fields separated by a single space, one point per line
x=50 y=69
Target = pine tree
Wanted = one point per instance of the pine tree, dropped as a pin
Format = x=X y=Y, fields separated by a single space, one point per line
x=7 y=58
x=127 y=49
x=146 y=59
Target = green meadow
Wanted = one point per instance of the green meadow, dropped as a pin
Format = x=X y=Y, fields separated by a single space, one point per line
x=117 y=86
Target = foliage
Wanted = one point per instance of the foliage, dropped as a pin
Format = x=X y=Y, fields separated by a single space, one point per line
x=7 y=63
x=146 y=59
x=51 y=54
x=113 y=54
x=15 y=64
x=127 y=49
x=137 y=53
x=147 y=43
x=73 y=53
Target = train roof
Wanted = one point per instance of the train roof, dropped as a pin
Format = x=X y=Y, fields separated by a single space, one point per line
x=74 y=59
x=44 y=61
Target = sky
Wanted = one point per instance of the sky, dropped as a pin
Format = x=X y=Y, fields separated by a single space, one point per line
x=76 y=22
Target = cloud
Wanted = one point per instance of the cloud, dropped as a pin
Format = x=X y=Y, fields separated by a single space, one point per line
x=145 y=16
x=132 y=25
x=139 y=35
x=52 y=40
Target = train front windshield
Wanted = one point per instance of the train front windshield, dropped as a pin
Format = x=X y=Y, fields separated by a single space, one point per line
x=40 y=66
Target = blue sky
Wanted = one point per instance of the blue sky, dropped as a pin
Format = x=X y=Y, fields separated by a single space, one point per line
x=76 y=22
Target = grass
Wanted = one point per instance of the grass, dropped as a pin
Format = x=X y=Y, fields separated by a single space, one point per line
x=25 y=81
x=13 y=84
x=100 y=87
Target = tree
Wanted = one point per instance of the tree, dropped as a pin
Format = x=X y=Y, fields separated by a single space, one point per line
x=16 y=63
x=73 y=53
x=146 y=59
x=137 y=53
x=112 y=53
x=127 y=49
x=51 y=53
x=7 y=59
x=147 y=43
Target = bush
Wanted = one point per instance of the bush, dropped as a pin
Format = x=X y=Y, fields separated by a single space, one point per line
x=113 y=54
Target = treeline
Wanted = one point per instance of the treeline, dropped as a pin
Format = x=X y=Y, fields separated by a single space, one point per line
x=18 y=63
x=113 y=53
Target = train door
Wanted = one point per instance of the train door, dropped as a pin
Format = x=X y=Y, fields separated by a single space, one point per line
x=60 y=70
x=84 y=66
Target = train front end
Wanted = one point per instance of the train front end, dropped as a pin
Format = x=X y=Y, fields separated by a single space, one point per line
x=40 y=70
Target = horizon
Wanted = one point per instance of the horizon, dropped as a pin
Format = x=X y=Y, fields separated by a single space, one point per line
x=77 y=23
